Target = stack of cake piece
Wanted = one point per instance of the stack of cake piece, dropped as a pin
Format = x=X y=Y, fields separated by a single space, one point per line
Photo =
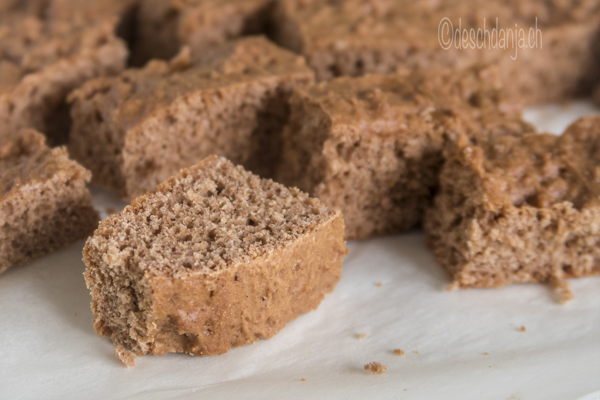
x=370 y=125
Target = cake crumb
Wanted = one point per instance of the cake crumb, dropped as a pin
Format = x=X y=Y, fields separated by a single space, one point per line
x=522 y=329
x=399 y=352
x=486 y=354
x=379 y=284
x=376 y=368
x=362 y=336
x=562 y=289
x=125 y=356
x=303 y=380
x=416 y=352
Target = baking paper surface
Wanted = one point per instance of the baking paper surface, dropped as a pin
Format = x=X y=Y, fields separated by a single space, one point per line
x=458 y=345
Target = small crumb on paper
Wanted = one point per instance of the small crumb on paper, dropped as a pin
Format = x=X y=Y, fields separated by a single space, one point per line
x=125 y=356
x=416 y=352
x=486 y=354
x=522 y=329
x=379 y=284
x=362 y=336
x=303 y=380
x=399 y=352
x=376 y=368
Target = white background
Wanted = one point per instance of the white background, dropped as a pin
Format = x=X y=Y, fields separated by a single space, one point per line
x=49 y=350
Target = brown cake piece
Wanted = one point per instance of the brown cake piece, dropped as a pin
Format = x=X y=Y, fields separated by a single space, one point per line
x=354 y=37
x=372 y=146
x=43 y=58
x=165 y=26
x=138 y=129
x=81 y=12
x=215 y=258
x=44 y=202
x=520 y=210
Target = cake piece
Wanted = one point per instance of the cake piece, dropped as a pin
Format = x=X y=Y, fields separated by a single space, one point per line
x=43 y=58
x=515 y=210
x=81 y=12
x=215 y=258
x=372 y=146
x=165 y=26
x=138 y=129
x=546 y=49
x=44 y=202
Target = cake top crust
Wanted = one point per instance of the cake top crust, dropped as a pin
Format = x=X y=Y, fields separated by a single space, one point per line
x=35 y=34
x=384 y=21
x=139 y=92
x=392 y=103
x=205 y=219
x=26 y=160
x=539 y=170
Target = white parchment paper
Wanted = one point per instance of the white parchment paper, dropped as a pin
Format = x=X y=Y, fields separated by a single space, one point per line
x=458 y=345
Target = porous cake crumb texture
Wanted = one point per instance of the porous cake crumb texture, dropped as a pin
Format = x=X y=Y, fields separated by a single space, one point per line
x=125 y=356
x=372 y=146
x=44 y=202
x=215 y=258
x=520 y=210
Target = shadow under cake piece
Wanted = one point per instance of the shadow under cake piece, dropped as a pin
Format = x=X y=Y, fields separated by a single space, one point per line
x=165 y=26
x=355 y=37
x=138 y=129
x=43 y=57
x=44 y=202
x=520 y=210
x=372 y=146
x=597 y=96
x=216 y=257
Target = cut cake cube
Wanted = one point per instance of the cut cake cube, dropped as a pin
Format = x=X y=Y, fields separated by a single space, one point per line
x=216 y=257
x=372 y=146
x=516 y=210
x=546 y=49
x=136 y=130
x=44 y=202
x=165 y=26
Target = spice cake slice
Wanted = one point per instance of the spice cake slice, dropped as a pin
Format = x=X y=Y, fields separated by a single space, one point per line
x=372 y=146
x=138 y=129
x=546 y=49
x=216 y=257
x=44 y=202
x=517 y=210
x=43 y=58
x=165 y=26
